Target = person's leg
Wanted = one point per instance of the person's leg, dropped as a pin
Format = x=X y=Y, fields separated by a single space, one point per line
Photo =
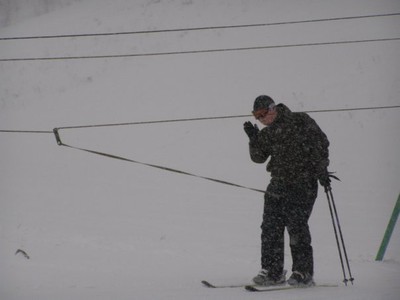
x=298 y=213
x=272 y=236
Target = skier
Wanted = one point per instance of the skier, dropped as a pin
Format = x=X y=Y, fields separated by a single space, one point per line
x=299 y=157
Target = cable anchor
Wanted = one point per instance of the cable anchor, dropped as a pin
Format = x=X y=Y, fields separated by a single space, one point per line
x=57 y=135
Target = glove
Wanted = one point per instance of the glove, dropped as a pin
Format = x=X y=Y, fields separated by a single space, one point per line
x=251 y=130
x=324 y=178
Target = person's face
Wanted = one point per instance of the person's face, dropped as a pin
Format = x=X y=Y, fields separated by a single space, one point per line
x=266 y=116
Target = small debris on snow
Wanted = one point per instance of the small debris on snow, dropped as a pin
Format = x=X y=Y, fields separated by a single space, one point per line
x=23 y=253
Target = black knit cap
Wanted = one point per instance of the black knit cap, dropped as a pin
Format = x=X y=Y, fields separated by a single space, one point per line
x=263 y=102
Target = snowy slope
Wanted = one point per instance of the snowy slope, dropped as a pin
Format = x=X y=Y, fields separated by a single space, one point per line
x=99 y=228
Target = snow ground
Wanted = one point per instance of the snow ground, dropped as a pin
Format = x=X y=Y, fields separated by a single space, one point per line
x=99 y=228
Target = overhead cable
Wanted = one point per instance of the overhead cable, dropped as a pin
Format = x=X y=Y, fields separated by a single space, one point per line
x=198 y=28
x=197 y=51
x=221 y=117
x=193 y=119
x=26 y=131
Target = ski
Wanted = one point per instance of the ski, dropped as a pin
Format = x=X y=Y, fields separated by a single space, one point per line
x=214 y=286
x=259 y=288
x=254 y=288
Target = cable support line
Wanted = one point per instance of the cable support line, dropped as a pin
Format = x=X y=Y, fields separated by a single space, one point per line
x=197 y=51
x=60 y=143
x=217 y=118
x=198 y=28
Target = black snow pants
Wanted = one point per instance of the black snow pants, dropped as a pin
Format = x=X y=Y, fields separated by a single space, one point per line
x=288 y=205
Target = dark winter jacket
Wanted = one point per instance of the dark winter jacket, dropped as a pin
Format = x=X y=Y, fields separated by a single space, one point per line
x=297 y=146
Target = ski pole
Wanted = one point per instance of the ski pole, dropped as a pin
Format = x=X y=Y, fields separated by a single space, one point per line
x=327 y=188
x=341 y=234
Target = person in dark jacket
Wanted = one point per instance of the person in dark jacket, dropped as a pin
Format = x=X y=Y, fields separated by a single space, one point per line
x=298 y=155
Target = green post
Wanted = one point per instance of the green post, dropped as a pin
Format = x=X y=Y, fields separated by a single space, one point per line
x=389 y=231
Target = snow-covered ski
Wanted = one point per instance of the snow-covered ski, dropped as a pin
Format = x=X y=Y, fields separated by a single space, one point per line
x=219 y=286
x=258 y=288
